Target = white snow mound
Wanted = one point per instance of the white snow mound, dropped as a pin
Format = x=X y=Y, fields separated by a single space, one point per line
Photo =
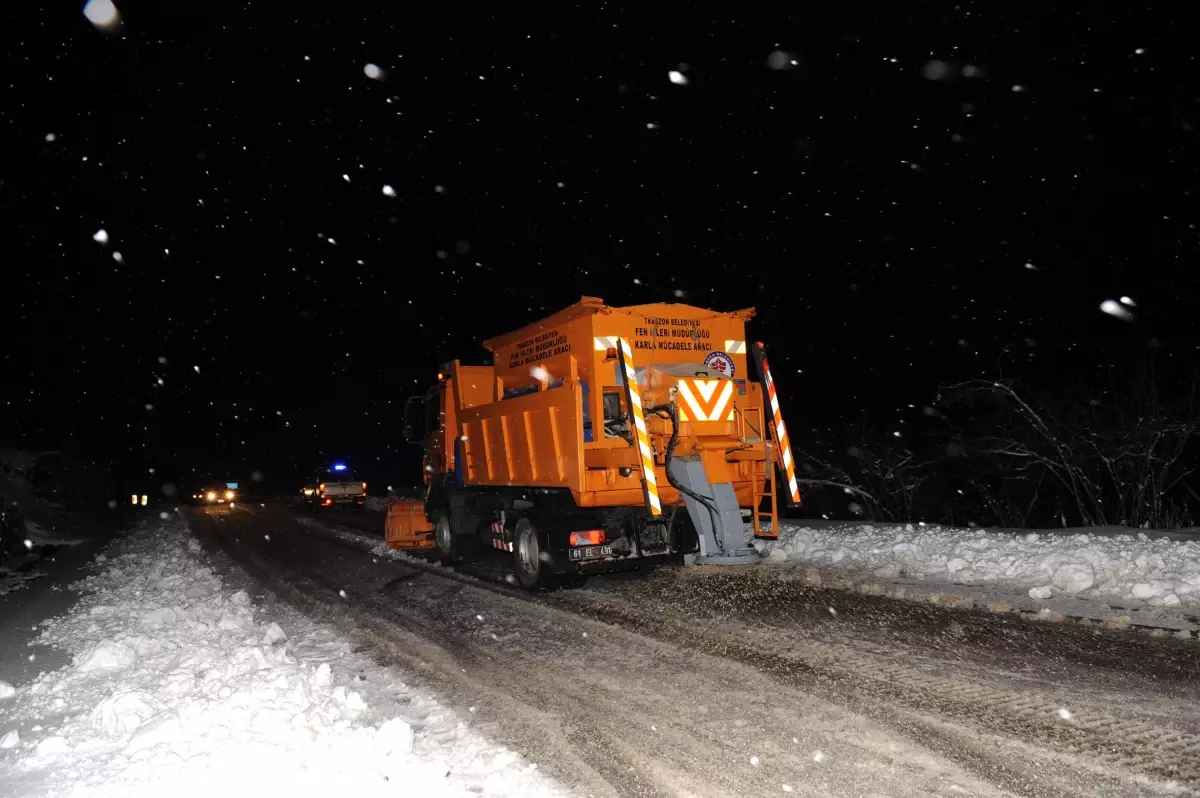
x=1132 y=567
x=179 y=688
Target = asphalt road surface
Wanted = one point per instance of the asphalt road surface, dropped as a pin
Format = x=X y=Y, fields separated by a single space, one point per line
x=721 y=682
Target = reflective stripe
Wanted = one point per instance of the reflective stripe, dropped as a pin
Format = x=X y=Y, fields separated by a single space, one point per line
x=603 y=343
x=690 y=401
x=789 y=466
x=735 y=347
x=649 y=475
x=721 y=389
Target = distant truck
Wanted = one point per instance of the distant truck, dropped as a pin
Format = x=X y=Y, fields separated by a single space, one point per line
x=335 y=486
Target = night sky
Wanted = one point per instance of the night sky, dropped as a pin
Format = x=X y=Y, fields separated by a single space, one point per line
x=907 y=201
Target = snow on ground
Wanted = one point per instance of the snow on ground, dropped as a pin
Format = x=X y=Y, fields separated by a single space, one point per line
x=378 y=504
x=180 y=686
x=1134 y=567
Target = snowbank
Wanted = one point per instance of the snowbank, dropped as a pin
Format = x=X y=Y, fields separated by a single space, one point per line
x=1136 y=568
x=378 y=504
x=178 y=687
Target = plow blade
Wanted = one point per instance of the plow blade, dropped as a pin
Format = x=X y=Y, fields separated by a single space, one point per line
x=406 y=527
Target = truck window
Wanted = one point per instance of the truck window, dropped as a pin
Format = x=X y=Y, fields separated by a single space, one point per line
x=433 y=412
x=612 y=406
x=614 y=425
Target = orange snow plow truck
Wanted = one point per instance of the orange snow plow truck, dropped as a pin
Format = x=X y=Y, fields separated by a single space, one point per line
x=578 y=448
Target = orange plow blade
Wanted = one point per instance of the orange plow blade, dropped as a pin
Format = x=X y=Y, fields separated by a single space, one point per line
x=407 y=528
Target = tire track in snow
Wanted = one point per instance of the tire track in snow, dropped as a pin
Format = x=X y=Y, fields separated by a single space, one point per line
x=635 y=715
x=927 y=707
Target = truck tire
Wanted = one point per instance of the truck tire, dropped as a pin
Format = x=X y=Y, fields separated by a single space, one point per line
x=531 y=569
x=444 y=536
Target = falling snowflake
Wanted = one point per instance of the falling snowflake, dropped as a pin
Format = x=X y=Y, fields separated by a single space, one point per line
x=100 y=236
x=28 y=543
x=373 y=72
x=118 y=257
x=388 y=191
x=540 y=374
x=651 y=126
x=677 y=77
x=101 y=13
x=1065 y=713
x=50 y=137
x=1127 y=301
x=938 y=70
x=1116 y=310
x=780 y=59
x=342 y=593
x=754 y=761
x=818 y=756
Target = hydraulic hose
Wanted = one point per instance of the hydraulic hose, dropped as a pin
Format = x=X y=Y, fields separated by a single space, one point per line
x=668 y=411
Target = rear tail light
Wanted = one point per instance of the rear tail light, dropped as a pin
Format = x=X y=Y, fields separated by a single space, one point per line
x=327 y=502
x=593 y=537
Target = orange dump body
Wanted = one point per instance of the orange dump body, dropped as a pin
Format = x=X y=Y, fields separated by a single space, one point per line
x=552 y=412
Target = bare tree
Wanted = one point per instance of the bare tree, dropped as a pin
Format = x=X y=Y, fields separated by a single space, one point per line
x=1116 y=459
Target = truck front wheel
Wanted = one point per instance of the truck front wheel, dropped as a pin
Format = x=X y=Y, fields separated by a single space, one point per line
x=531 y=569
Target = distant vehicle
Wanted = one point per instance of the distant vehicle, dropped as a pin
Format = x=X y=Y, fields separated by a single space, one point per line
x=335 y=486
x=217 y=494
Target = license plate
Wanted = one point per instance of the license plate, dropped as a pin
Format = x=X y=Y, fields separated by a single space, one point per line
x=591 y=552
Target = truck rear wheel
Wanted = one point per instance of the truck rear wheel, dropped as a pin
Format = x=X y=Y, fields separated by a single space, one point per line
x=531 y=570
x=445 y=538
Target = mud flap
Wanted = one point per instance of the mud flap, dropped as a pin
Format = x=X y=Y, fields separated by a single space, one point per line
x=721 y=530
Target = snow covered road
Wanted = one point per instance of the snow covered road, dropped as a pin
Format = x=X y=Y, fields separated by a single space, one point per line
x=717 y=682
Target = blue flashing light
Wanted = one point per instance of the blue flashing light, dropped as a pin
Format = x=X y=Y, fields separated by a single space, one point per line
x=339 y=466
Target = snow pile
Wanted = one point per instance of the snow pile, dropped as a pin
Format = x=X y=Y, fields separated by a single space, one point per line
x=378 y=504
x=178 y=688
x=1133 y=567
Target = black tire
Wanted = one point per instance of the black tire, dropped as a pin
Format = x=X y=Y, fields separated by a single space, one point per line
x=528 y=551
x=444 y=536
